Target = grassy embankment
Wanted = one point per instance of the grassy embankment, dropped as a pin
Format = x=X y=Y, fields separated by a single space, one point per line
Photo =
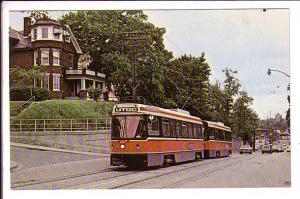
x=67 y=109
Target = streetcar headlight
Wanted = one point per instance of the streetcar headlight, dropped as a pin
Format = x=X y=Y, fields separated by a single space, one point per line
x=122 y=146
x=138 y=147
x=112 y=147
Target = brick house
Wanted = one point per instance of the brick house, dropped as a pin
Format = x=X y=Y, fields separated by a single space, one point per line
x=53 y=47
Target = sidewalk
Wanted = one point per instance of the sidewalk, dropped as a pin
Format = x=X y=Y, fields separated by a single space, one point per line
x=29 y=146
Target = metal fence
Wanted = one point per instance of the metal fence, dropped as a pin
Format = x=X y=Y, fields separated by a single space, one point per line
x=60 y=125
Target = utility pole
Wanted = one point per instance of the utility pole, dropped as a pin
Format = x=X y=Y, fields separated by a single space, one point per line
x=134 y=41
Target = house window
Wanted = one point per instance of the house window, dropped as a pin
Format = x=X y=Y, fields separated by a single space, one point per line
x=45 y=81
x=34 y=36
x=41 y=82
x=45 y=57
x=36 y=57
x=56 y=82
x=37 y=82
x=44 y=32
x=56 y=36
x=56 y=57
x=71 y=60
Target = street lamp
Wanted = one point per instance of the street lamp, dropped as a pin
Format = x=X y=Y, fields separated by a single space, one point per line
x=269 y=72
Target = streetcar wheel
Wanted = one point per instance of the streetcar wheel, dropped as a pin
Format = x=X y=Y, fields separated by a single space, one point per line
x=198 y=156
x=169 y=160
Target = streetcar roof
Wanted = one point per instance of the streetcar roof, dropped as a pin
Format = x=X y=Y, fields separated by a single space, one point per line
x=133 y=108
x=217 y=125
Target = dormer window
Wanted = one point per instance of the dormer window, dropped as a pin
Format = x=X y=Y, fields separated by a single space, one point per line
x=67 y=38
x=44 y=32
x=56 y=33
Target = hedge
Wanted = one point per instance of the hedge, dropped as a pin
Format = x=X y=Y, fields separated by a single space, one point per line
x=24 y=94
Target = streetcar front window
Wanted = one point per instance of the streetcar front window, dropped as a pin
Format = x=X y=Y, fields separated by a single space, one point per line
x=129 y=126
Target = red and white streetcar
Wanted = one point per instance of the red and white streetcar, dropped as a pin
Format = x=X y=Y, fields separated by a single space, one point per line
x=144 y=135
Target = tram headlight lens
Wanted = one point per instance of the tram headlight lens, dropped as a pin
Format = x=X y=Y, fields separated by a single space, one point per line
x=122 y=146
x=138 y=147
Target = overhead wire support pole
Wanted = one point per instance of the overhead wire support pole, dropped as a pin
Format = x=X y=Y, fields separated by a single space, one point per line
x=134 y=37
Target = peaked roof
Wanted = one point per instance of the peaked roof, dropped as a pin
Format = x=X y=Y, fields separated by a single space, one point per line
x=74 y=41
x=23 y=42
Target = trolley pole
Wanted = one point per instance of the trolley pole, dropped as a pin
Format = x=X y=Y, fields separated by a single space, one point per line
x=134 y=41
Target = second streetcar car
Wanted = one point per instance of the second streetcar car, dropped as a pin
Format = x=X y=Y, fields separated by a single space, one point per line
x=144 y=135
x=217 y=140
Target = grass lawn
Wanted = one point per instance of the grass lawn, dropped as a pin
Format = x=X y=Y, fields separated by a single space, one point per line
x=67 y=109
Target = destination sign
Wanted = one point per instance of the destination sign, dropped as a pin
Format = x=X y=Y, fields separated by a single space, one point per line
x=126 y=109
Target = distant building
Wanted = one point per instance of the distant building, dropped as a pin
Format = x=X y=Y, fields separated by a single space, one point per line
x=53 y=47
x=278 y=117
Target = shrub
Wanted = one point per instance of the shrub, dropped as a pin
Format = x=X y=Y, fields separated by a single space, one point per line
x=25 y=93
x=94 y=93
x=41 y=94
x=20 y=94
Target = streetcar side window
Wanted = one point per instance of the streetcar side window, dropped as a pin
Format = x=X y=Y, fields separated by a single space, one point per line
x=153 y=126
x=165 y=128
x=201 y=131
x=195 y=130
x=190 y=130
x=184 y=130
x=173 y=128
x=197 y=133
x=218 y=134
x=178 y=129
x=211 y=132
x=221 y=135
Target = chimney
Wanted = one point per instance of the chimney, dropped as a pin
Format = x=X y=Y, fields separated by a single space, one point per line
x=27 y=24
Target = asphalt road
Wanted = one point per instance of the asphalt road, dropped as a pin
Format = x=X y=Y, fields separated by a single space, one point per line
x=237 y=171
x=35 y=157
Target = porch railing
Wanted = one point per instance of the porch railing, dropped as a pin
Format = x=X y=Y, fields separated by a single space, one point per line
x=60 y=125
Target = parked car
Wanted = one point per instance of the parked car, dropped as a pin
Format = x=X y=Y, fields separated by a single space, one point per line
x=275 y=148
x=280 y=149
x=288 y=149
x=284 y=147
x=267 y=148
x=246 y=149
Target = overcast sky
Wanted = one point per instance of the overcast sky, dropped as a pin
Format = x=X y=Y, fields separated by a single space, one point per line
x=250 y=41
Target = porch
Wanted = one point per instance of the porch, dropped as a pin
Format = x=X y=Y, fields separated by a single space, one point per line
x=79 y=80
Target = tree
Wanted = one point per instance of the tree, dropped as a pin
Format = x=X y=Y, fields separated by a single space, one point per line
x=187 y=84
x=231 y=89
x=24 y=78
x=244 y=118
x=38 y=15
x=218 y=102
x=103 y=35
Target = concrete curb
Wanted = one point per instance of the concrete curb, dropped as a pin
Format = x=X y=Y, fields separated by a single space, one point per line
x=29 y=146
